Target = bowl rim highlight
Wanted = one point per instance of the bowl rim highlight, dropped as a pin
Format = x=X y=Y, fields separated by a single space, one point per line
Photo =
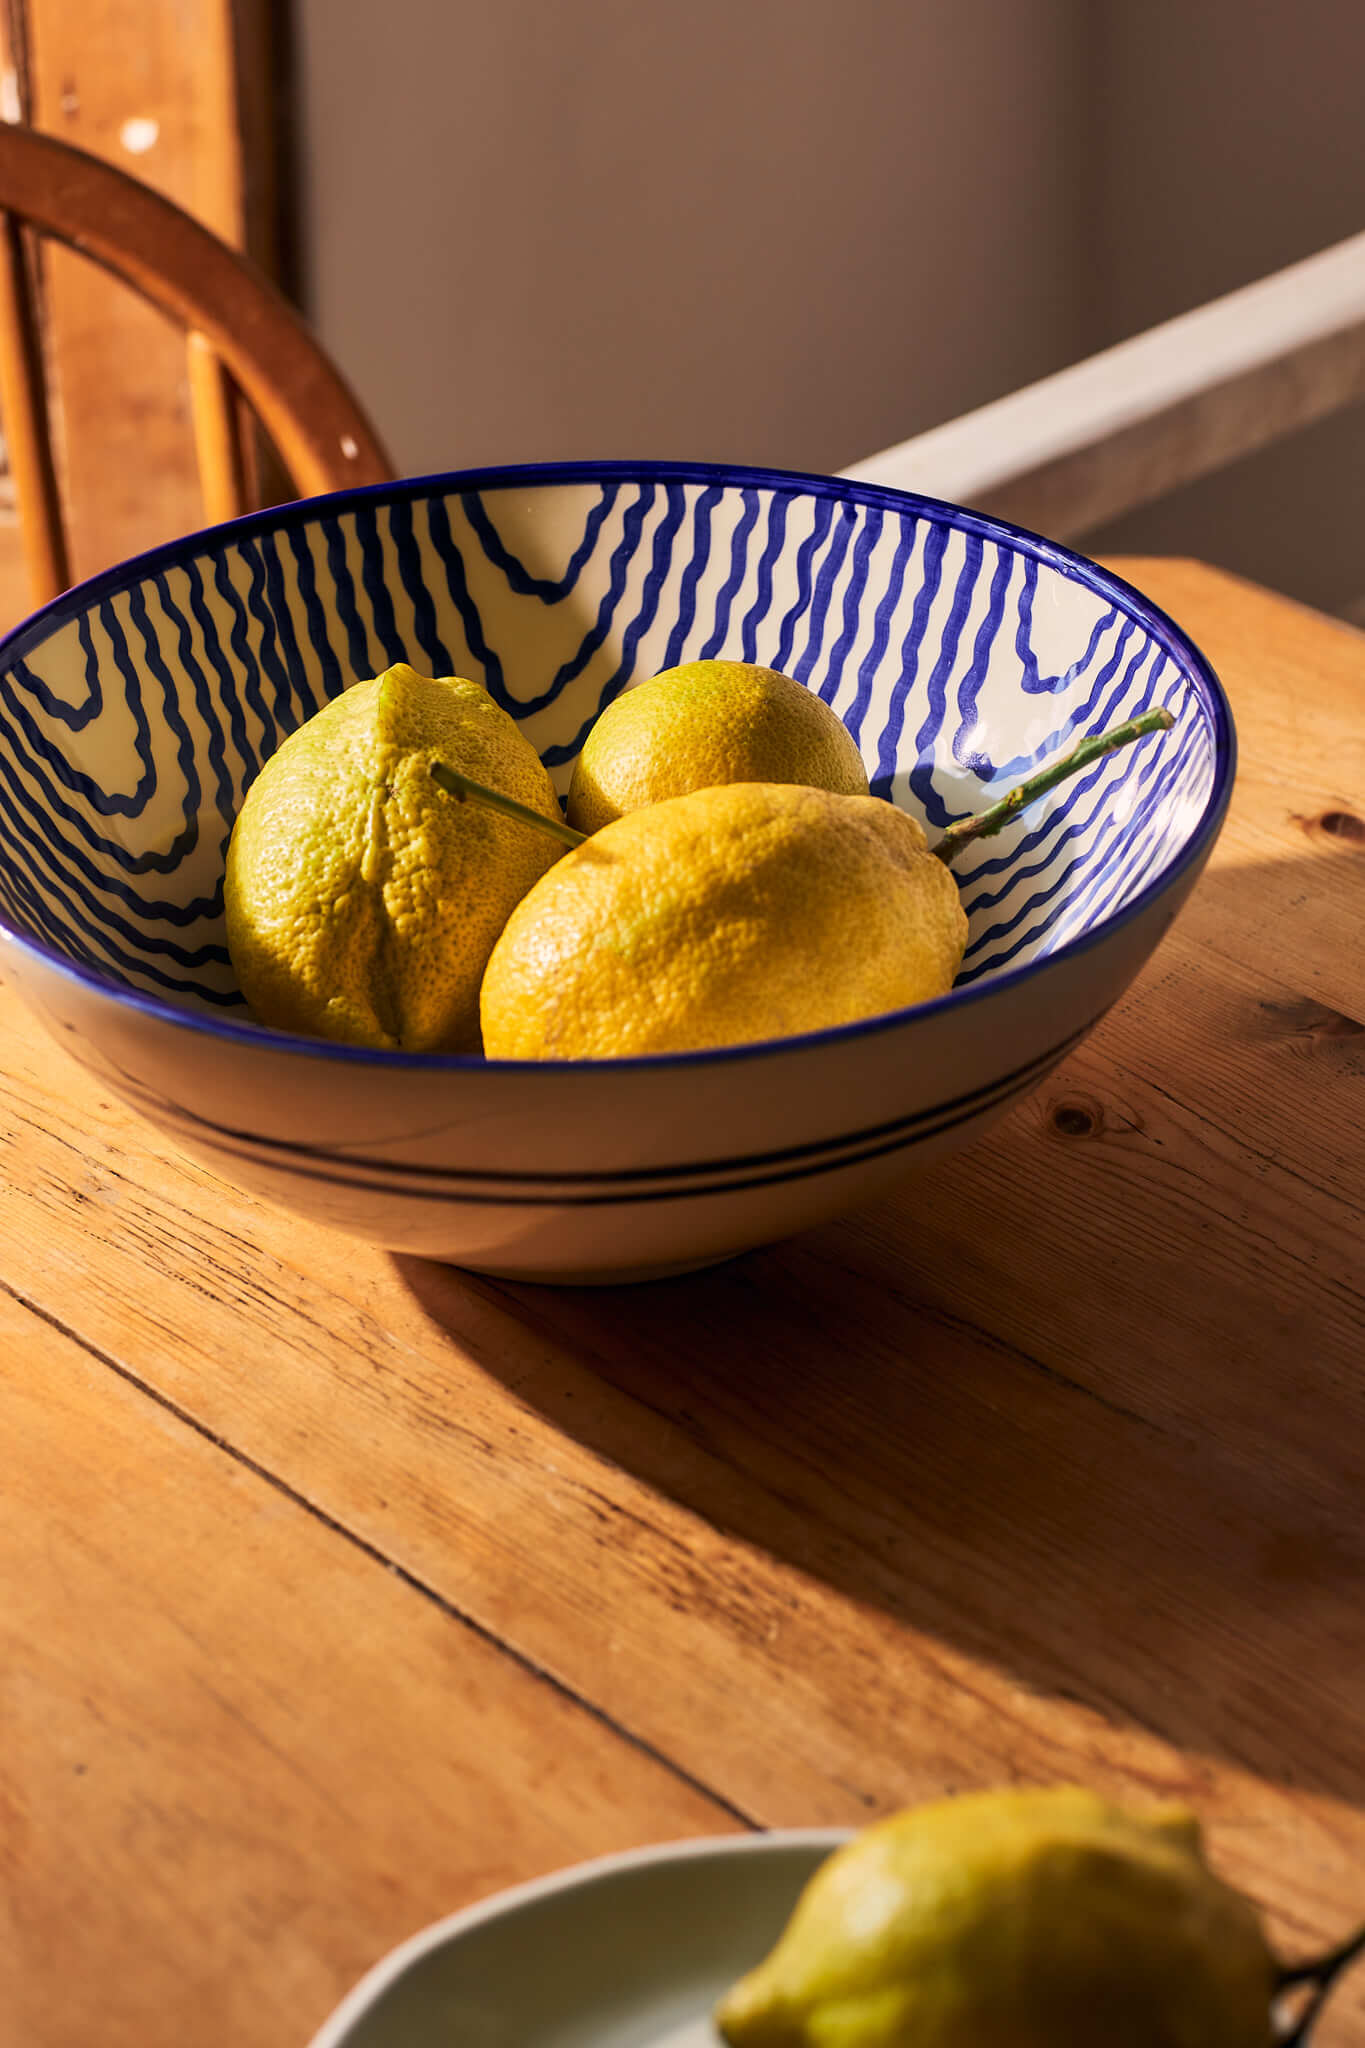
x=1076 y=568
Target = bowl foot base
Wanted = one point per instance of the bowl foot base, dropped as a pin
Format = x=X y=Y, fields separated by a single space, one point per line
x=625 y=1276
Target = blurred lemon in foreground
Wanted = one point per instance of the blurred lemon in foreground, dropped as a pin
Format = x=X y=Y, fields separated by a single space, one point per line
x=1020 y=1919
x=739 y=912
x=709 y=722
x=362 y=902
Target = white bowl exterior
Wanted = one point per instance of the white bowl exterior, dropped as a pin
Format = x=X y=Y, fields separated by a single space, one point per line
x=752 y=1880
x=689 y=1163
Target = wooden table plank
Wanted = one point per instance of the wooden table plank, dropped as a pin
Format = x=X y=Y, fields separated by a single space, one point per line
x=1050 y=1467
x=240 y=1757
x=306 y=1354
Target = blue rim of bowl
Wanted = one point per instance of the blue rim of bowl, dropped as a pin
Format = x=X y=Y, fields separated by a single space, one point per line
x=39 y=626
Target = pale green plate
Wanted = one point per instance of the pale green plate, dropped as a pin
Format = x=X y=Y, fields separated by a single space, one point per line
x=629 y=1952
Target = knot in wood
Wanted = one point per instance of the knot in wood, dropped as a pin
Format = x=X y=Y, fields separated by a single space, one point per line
x=1076 y=1119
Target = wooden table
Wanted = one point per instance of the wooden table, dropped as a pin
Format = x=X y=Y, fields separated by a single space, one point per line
x=341 y=1589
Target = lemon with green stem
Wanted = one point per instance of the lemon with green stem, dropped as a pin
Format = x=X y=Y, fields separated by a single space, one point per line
x=744 y=911
x=738 y=912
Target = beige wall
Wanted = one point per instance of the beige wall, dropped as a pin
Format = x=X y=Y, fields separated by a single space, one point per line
x=792 y=231
x=1235 y=143
x=780 y=231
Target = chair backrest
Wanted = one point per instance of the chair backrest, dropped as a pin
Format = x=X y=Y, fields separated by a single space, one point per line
x=1178 y=402
x=243 y=337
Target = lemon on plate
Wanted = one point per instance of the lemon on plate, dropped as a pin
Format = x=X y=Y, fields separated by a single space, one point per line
x=704 y=723
x=362 y=903
x=738 y=912
x=1015 y=1919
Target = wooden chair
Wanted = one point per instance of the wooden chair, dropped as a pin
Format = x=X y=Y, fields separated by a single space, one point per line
x=243 y=337
x=1124 y=427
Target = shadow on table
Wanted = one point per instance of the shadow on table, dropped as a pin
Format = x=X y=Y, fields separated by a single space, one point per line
x=1085 y=1404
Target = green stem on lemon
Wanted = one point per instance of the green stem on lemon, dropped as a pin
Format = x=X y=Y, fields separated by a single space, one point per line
x=463 y=787
x=989 y=821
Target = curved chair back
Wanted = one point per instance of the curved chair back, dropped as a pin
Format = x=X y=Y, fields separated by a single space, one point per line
x=243 y=337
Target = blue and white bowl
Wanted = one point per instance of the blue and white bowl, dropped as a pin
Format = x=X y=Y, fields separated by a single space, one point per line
x=958 y=651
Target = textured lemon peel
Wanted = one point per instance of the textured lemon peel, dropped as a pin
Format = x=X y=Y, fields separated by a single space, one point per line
x=752 y=911
x=361 y=904
x=705 y=723
x=1025 y=1919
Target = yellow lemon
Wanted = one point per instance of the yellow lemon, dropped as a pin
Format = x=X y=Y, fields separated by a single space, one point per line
x=362 y=902
x=704 y=723
x=1019 y=1919
x=738 y=912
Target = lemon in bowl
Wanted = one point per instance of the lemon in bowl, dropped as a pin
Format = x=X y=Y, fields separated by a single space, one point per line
x=741 y=911
x=360 y=904
x=703 y=724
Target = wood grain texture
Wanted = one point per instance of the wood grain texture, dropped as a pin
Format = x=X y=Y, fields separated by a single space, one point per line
x=24 y=414
x=217 y=431
x=193 y=278
x=15 y=578
x=130 y=475
x=1050 y=1467
x=240 y=1757
x=152 y=91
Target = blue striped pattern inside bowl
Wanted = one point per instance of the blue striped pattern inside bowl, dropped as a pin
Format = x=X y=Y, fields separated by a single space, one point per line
x=137 y=711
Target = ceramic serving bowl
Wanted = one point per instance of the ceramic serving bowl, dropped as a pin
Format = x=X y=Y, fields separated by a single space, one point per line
x=958 y=650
